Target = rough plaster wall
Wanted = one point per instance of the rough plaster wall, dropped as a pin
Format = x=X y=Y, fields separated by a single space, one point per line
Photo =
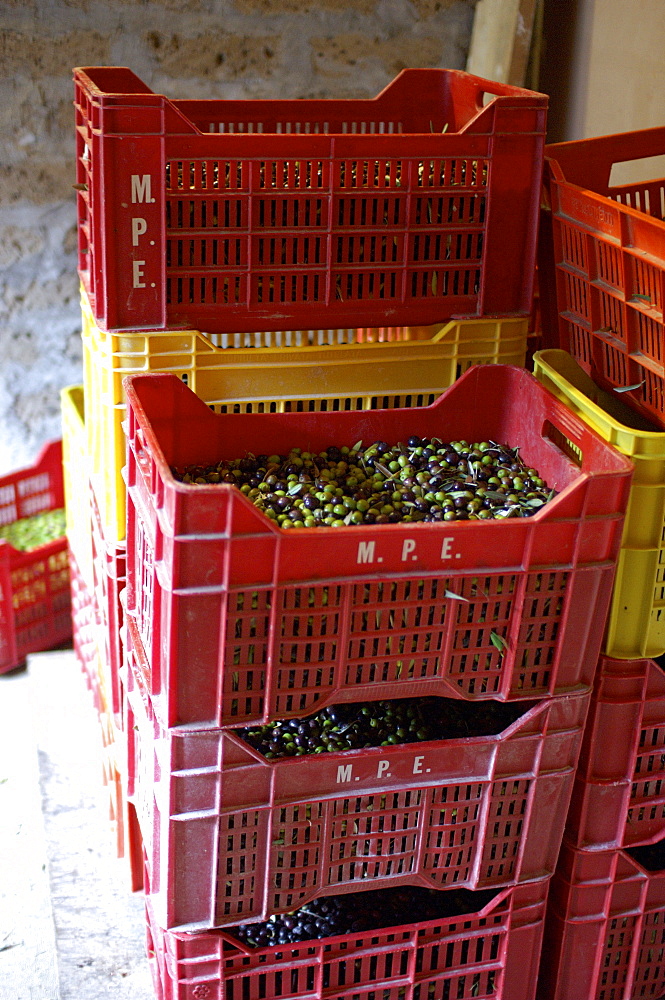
x=184 y=49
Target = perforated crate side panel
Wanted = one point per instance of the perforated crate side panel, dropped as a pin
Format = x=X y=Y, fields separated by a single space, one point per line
x=349 y=637
x=490 y=955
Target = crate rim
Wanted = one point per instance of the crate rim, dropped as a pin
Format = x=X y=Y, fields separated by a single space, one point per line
x=624 y=464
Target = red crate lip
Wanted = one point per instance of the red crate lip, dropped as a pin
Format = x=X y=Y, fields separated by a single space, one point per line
x=224 y=215
x=223 y=595
x=478 y=812
x=619 y=794
x=35 y=610
x=404 y=962
x=603 y=927
x=601 y=259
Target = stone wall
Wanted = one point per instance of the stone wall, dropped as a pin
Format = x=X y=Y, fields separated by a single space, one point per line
x=184 y=49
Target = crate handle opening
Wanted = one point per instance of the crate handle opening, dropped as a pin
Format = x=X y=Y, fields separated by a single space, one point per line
x=562 y=442
x=637 y=170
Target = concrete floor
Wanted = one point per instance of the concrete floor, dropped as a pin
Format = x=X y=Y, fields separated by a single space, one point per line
x=70 y=927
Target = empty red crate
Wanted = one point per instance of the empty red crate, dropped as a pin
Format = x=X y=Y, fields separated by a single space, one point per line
x=230 y=836
x=603 y=935
x=491 y=953
x=619 y=793
x=221 y=215
x=35 y=601
x=601 y=264
x=243 y=621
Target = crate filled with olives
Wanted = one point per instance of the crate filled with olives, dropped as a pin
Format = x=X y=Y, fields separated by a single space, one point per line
x=401 y=943
x=449 y=584
x=35 y=603
x=240 y=825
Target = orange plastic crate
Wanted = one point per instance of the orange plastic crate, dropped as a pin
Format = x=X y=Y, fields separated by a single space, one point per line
x=601 y=265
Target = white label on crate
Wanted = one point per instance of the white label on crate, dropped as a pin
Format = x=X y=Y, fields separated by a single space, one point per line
x=408 y=545
x=367 y=551
x=138 y=266
x=446 y=546
x=345 y=773
x=139 y=227
x=141 y=189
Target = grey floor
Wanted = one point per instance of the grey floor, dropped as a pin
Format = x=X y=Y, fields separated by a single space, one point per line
x=70 y=927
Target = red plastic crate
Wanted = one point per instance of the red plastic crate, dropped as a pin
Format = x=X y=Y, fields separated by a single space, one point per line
x=619 y=793
x=109 y=560
x=35 y=602
x=603 y=935
x=221 y=215
x=231 y=837
x=601 y=265
x=85 y=634
x=491 y=953
x=245 y=622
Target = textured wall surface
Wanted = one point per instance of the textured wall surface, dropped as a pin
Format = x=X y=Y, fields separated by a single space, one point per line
x=184 y=49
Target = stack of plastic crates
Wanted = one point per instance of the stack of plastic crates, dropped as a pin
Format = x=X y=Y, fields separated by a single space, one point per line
x=35 y=605
x=604 y=931
x=258 y=223
x=601 y=265
x=232 y=621
x=312 y=261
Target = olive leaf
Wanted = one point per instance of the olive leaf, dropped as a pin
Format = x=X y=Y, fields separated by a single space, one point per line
x=629 y=388
x=498 y=641
x=457 y=597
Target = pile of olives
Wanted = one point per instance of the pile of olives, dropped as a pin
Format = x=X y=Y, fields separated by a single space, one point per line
x=356 y=912
x=422 y=480
x=380 y=723
x=30 y=532
x=650 y=856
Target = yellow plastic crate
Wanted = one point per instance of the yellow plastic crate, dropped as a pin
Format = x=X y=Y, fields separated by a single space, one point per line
x=76 y=480
x=636 y=621
x=277 y=371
